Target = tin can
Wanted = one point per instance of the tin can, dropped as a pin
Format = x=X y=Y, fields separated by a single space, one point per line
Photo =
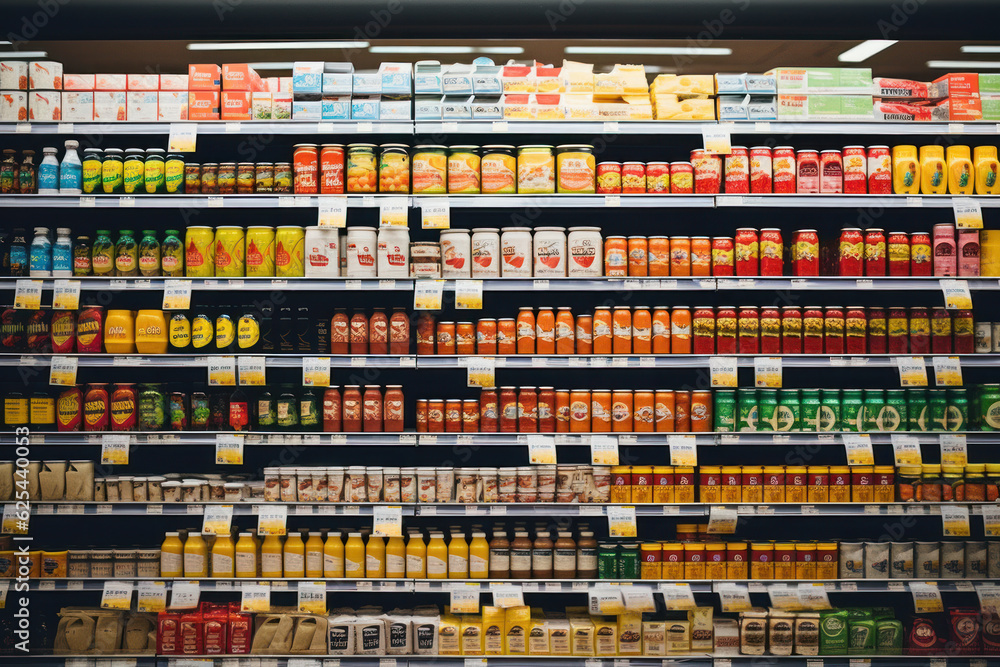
x=680 y=256
x=875 y=252
x=747 y=252
x=805 y=253
x=770 y=331
x=609 y=178
x=772 y=262
x=616 y=254
x=199 y=258
x=963 y=332
x=984 y=337
x=681 y=178
x=724 y=412
x=289 y=243
x=322 y=252
x=855 y=330
x=879 y=170
x=229 y=249
x=305 y=161
x=851 y=252
x=877 y=331
x=831 y=172
x=600 y=411
x=852 y=560
x=703 y=330
x=877 y=560
x=783 y=167
x=901 y=560
x=791 y=330
x=633 y=178
x=486 y=252
x=602 y=331
x=331 y=165
x=927 y=559
x=259 y=255
x=855 y=170
x=748 y=326
x=282 y=177
x=921 y=256
x=638 y=257
x=701 y=256
x=707 y=172
x=584 y=249
x=657 y=178
x=607 y=561
x=549 y=252
x=737 y=171
x=807 y=171
x=723 y=256
x=812 y=330
x=726 y=326
x=920 y=330
x=898 y=252
x=760 y=170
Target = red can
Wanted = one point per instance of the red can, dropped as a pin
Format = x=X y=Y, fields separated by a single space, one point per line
x=723 y=262
x=507 y=410
x=831 y=172
x=633 y=178
x=805 y=253
x=879 y=170
x=562 y=411
x=783 y=168
x=658 y=178
x=898 y=331
x=898 y=251
x=807 y=171
x=306 y=168
x=435 y=416
x=921 y=263
x=737 y=165
x=875 y=252
x=851 y=255
x=791 y=330
x=770 y=331
x=546 y=410
x=940 y=331
x=707 y=172
x=760 y=170
x=812 y=330
x=855 y=170
x=703 y=330
x=527 y=410
x=772 y=261
x=876 y=330
x=609 y=178
x=833 y=329
x=749 y=330
x=920 y=330
x=747 y=252
x=725 y=330
x=855 y=330
x=331 y=169
x=470 y=416
x=681 y=178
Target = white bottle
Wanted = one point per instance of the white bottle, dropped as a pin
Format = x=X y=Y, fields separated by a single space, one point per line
x=71 y=170
x=62 y=254
x=40 y=254
x=48 y=172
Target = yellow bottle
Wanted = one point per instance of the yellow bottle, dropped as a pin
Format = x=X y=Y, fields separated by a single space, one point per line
x=354 y=557
x=960 y=178
x=294 y=556
x=333 y=556
x=246 y=557
x=375 y=558
x=437 y=557
x=932 y=171
x=195 y=557
x=223 y=557
x=416 y=557
x=119 y=332
x=479 y=557
x=395 y=558
x=270 y=557
x=259 y=543
x=172 y=556
x=905 y=170
x=458 y=557
x=314 y=556
x=984 y=158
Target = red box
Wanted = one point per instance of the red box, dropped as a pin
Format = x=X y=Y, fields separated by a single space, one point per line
x=964 y=107
x=192 y=634
x=143 y=82
x=215 y=628
x=175 y=82
x=204 y=77
x=79 y=81
x=960 y=84
x=203 y=105
x=236 y=105
x=240 y=76
x=240 y=630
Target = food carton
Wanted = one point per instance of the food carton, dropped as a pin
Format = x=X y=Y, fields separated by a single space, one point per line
x=518 y=79
x=45 y=75
x=307 y=78
x=824 y=107
x=13 y=106
x=281 y=106
x=697 y=84
x=13 y=75
x=336 y=107
x=394 y=107
x=236 y=105
x=78 y=106
x=366 y=83
x=904 y=89
x=577 y=77
x=142 y=82
x=240 y=76
x=456 y=107
x=823 y=80
x=172 y=105
x=427 y=108
x=396 y=79
x=457 y=79
x=204 y=77
x=486 y=80
x=203 y=105
x=79 y=81
x=365 y=107
x=761 y=83
x=427 y=78
x=307 y=110
x=762 y=108
x=958 y=84
x=989 y=85
x=728 y=107
x=44 y=105
x=548 y=79
x=142 y=105
x=487 y=108
x=337 y=83
x=261 y=104
x=109 y=106
x=175 y=82
x=110 y=82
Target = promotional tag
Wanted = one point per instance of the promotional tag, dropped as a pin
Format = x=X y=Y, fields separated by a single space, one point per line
x=906 y=449
x=229 y=449
x=117 y=595
x=393 y=211
x=606 y=600
x=723 y=370
x=221 y=371
x=316 y=372
x=683 y=450
x=469 y=294
x=435 y=215
x=333 y=212
x=956 y=294
x=813 y=596
x=114 y=448
x=312 y=597
x=621 y=521
x=465 y=599
x=734 y=597
x=722 y=520
x=989 y=598
x=505 y=596
x=717 y=139
x=954 y=451
x=926 y=598
x=859 y=449
x=968 y=213
x=955 y=520
x=767 y=371
x=176 y=295
x=271 y=519
x=66 y=295
x=947 y=372
x=481 y=371
x=387 y=521
x=218 y=520
x=62 y=371
x=783 y=597
x=256 y=598
x=184 y=595
x=15 y=522
x=152 y=597
x=252 y=371
x=991 y=520
x=912 y=372
x=28 y=294
x=428 y=294
x=675 y=596
x=183 y=138
x=541 y=449
x=604 y=450
x=640 y=598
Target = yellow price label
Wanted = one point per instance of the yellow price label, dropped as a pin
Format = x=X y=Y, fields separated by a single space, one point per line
x=152 y=597
x=481 y=371
x=228 y=449
x=28 y=294
x=435 y=215
x=316 y=372
x=114 y=448
x=683 y=450
x=66 y=295
x=256 y=598
x=968 y=213
x=767 y=371
x=717 y=139
x=723 y=370
x=221 y=371
x=604 y=450
x=117 y=595
x=428 y=294
x=62 y=371
x=947 y=372
x=541 y=450
x=393 y=211
x=621 y=521
x=912 y=371
x=312 y=597
x=15 y=522
x=183 y=138
x=469 y=294
x=465 y=599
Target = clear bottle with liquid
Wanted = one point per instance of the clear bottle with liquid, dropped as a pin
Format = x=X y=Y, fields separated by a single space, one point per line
x=48 y=172
x=62 y=254
x=40 y=254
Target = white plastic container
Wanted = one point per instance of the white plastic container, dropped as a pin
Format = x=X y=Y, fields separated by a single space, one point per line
x=486 y=252
x=515 y=249
x=584 y=250
x=393 y=252
x=456 y=253
x=362 y=248
x=322 y=252
x=550 y=252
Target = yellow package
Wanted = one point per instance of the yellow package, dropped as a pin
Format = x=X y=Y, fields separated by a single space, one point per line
x=605 y=635
x=449 y=639
x=559 y=633
x=517 y=620
x=630 y=634
x=538 y=636
x=581 y=630
x=668 y=108
x=493 y=630
x=678 y=637
x=621 y=80
x=700 y=619
x=472 y=634
x=577 y=77
x=702 y=84
x=654 y=638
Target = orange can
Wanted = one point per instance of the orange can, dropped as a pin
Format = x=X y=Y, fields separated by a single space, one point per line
x=465 y=338
x=446 y=338
x=545 y=331
x=616 y=256
x=642 y=326
x=658 y=254
x=661 y=330
x=701 y=411
x=565 y=337
x=701 y=256
x=600 y=411
x=682 y=411
x=622 y=330
x=602 y=331
x=584 y=334
x=664 y=410
x=643 y=410
x=638 y=256
x=680 y=331
x=562 y=410
x=506 y=336
x=486 y=336
x=525 y=331
x=331 y=169
x=680 y=256
x=579 y=411
x=621 y=410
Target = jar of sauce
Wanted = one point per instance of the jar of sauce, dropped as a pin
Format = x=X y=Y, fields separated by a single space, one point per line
x=352 y=409
x=332 y=410
x=520 y=556
x=393 y=409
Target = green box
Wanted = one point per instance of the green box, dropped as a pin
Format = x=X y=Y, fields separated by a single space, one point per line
x=991 y=108
x=989 y=83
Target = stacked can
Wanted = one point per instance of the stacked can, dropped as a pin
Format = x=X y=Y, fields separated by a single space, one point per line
x=784 y=170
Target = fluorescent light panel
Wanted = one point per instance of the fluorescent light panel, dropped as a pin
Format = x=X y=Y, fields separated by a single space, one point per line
x=264 y=46
x=865 y=50
x=513 y=50
x=980 y=49
x=24 y=54
x=648 y=50
x=272 y=65
x=963 y=64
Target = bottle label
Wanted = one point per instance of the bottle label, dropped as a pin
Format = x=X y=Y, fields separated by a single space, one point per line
x=246 y=564
x=169 y=563
x=314 y=562
x=499 y=559
x=222 y=565
x=541 y=559
x=333 y=566
x=414 y=565
x=436 y=566
x=478 y=566
x=457 y=563
x=270 y=565
x=352 y=568
x=293 y=563
x=194 y=565
x=373 y=564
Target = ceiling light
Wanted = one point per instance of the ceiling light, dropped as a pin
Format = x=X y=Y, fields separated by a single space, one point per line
x=963 y=64
x=980 y=49
x=514 y=50
x=24 y=54
x=648 y=50
x=4 y=42
x=865 y=50
x=262 y=46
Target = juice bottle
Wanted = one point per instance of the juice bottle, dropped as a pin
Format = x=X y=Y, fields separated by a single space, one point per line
x=905 y=170
x=354 y=557
x=437 y=557
x=479 y=557
x=333 y=556
x=458 y=557
x=416 y=557
x=375 y=558
x=294 y=556
x=258 y=543
x=314 y=556
x=172 y=556
x=984 y=159
x=960 y=178
x=119 y=332
x=195 y=557
x=395 y=558
x=932 y=171
x=246 y=557
x=223 y=556
x=270 y=557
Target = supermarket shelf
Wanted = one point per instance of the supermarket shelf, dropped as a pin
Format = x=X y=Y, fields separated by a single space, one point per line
x=847 y=201
x=68 y=508
x=836 y=283
x=180 y=201
x=592 y=285
x=567 y=201
x=91 y=283
x=217 y=127
x=183 y=360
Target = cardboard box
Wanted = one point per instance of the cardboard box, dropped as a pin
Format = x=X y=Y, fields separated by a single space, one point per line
x=281 y=106
x=307 y=110
x=78 y=106
x=109 y=106
x=240 y=76
x=958 y=84
x=366 y=83
x=427 y=108
x=79 y=81
x=457 y=79
x=307 y=77
x=989 y=85
x=730 y=107
x=905 y=89
x=44 y=105
x=963 y=107
x=395 y=107
x=395 y=79
x=486 y=80
x=336 y=107
x=456 y=107
x=261 y=105
x=427 y=78
x=487 y=108
x=204 y=77
x=548 y=79
x=899 y=111
x=235 y=105
x=698 y=84
x=174 y=82
x=365 y=107
x=203 y=105
x=142 y=105
x=823 y=80
x=990 y=105
x=518 y=79
x=824 y=107
x=143 y=82
x=338 y=83
x=173 y=105
x=45 y=75
x=110 y=82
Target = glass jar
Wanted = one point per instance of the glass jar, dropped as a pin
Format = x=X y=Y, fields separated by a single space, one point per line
x=92 y=161
x=126 y=254
x=149 y=254
x=155 y=172
x=907 y=483
x=975 y=483
x=536 y=170
x=953 y=484
x=172 y=255
x=394 y=168
x=575 y=169
x=430 y=170
x=362 y=170
x=264 y=178
x=112 y=172
x=498 y=170
x=930 y=489
x=173 y=174
x=463 y=170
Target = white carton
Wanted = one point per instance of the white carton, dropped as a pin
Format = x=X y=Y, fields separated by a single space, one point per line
x=78 y=106
x=172 y=105
x=142 y=105
x=109 y=106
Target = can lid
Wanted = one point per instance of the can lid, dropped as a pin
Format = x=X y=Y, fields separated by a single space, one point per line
x=477 y=230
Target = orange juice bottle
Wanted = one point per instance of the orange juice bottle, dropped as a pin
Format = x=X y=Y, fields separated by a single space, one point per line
x=525 y=331
x=375 y=558
x=172 y=556
x=601 y=337
x=246 y=557
x=479 y=557
x=437 y=557
x=458 y=557
x=905 y=170
x=119 y=332
x=294 y=556
x=195 y=557
x=622 y=330
x=395 y=558
x=960 y=177
x=932 y=171
x=416 y=557
x=565 y=335
x=314 y=555
x=333 y=556
x=661 y=330
x=545 y=331
x=680 y=331
x=223 y=557
x=354 y=557
x=984 y=159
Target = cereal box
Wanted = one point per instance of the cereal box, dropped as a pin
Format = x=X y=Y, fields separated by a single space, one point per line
x=203 y=105
x=79 y=82
x=143 y=82
x=173 y=105
x=110 y=82
x=204 y=77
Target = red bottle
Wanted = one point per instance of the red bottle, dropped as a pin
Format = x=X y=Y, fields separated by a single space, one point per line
x=359 y=333
x=833 y=329
x=332 y=410
x=812 y=330
x=378 y=333
x=340 y=333
x=747 y=252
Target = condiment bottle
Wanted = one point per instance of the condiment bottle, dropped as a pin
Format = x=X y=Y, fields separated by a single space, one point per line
x=172 y=556
x=586 y=556
x=564 y=556
x=195 y=557
x=354 y=557
x=395 y=558
x=416 y=557
x=437 y=557
x=541 y=556
x=458 y=557
x=246 y=557
x=375 y=558
x=294 y=556
x=520 y=556
x=499 y=556
x=479 y=556
x=271 y=557
x=333 y=556
x=223 y=556
x=314 y=555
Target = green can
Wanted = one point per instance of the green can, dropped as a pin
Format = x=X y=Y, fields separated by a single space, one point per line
x=894 y=414
x=789 y=416
x=92 y=170
x=937 y=409
x=975 y=414
x=173 y=174
x=607 y=560
x=767 y=409
x=628 y=561
x=871 y=416
x=916 y=410
x=747 y=411
x=829 y=410
x=989 y=407
x=851 y=410
x=958 y=410
x=809 y=410
x=725 y=411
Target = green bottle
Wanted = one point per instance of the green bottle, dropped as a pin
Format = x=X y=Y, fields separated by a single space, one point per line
x=894 y=415
x=958 y=410
x=937 y=409
x=725 y=411
x=126 y=254
x=102 y=254
x=149 y=254
x=810 y=410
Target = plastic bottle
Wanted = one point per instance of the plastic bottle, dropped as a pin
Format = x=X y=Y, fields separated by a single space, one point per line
x=18 y=264
x=520 y=556
x=40 y=254
x=172 y=556
x=223 y=557
x=375 y=558
x=271 y=557
x=416 y=557
x=71 y=170
x=395 y=558
x=354 y=557
x=564 y=557
x=195 y=557
x=541 y=556
x=437 y=557
x=62 y=254
x=479 y=557
x=294 y=556
x=314 y=556
x=499 y=555
x=333 y=556
x=458 y=557
x=48 y=172
x=586 y=555
x=246 y=557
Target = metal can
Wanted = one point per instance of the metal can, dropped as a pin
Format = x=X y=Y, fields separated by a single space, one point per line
x=516 y=252
x=833 y=330
x=229 y=249
x=875 y=252
x=609 y=178
x=760 y=170
x=772 y=262
x=633 y=178
x=920 y=330
x=584 y=250
x=658 y=253
x=879 y=170
x=264 y=177
x=855 y=330
x=897 y=331
x=456 y=251
x=331 y=169
x=615 y=256
x=783 y=167
x=701 y=256
x=707 y=172
x=657 y=178
x=305 y=160
x=724 y=412
x=289 y=243
x=812 y=330
x=831 y=172
x=921 y=256
x=638 y=257
x=805 y=253
x=747 y=413
x=259 y=255
x=877 y=332
x=898 y=252
x=199 y=257
x=941 y=337
x=770 y=331
x=747 y=254
x=855 y=170
x=851 y=252
x=681 y=178
x=282 y=177
x=963 y=332
x=726 y=327
x=748 y=326
x=876 y=560
x=549 y=250
x=807 y=171
x=607 y=561
x=680 y=256
x=499 y=170
x=737 y=171
x=703 y=330
x=723 y=256
x=791 y=330
x=322 y=252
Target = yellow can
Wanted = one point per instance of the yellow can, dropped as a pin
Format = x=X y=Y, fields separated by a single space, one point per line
x=883 y=493
x=429 y=169
x=684 y=493
x=784 y=560
x=642 y=479
x=715 y=560
x=774 y=484
x=621 y=486
x=989 y=252
x=575 y=169
x=229 y=247
x=709 y=489
x=805 y=560
x=761 y=560
x=199 y=256
x=498 y=170
x=827 y=560
x=259 y=256
x=672 y=560
x=819 y=490
x=694 y=561
x=730 y=489
x=463 y=170
x=663 y=487
x=752 y=486
x=288 y=248
x=650 y=565
x=536 y=170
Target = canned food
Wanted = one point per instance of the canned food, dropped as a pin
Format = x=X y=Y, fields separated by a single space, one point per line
x=831 y=172
x=707 y=172
x=463 y=170
x=498 y=170
x=486 y=252
x=305 y=158
x=264 y=178
x=783 y=165
x=516 y=252
x=737 y=171
x=229 y=249
x=575 y=169
x=658 y=178
x=633 y=178
x=362 y=169
x=536 y=169
x=289 y=242
x=199 y=259
x=331 y=159
x=609 y=178
x=259 y=256
x=322 y=252
x=681 y=178
x=760 y=170
x=584 y=250
x=807 y=171
x=855 y=170
x=362 y=250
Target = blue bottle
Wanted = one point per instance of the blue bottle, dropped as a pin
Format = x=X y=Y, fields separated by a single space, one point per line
x=48 y=173
x=40 y=254
x=62 y=254
x=71 y=170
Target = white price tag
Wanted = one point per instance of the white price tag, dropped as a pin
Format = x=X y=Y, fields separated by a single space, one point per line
x=256 y=598
x=272 y=519
x=926 y=598
x=183 y=138
x=252 y=372
x=507 y=596
x=393 y=211
x=184 y=595
x=683 y=450
x=640 y=598
x=541 y=449
x=114 y=448
x=427 y=294
x=783 y=597
x=675 y=596
x=604 y=450
x=956 y=294
x=333 y=211
x=991 y=520
x=221 y=371
x=469 y=294
x=152 y=597
x=813 y=596
x=954 y=451
x=218 y=520
x=28 y=294
x=229 y=449
x=722 y=520
x=387 y=521
x=968 y=213
x=117 y=595
x=66 y=295
x=859 y=449
x=621 y=521
x=435 y=214
x=906 y=449
x=717 y=139
x=767 y=372
x=734 y=597
x=947 y=372
x=606 y=599
x=912 y=372
x=989 y=598
x=62 y=371
x=465 y=599
x=316 y=372
x=312 y=597
x=481 y=371
x=723 y=371
x=955 y=520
